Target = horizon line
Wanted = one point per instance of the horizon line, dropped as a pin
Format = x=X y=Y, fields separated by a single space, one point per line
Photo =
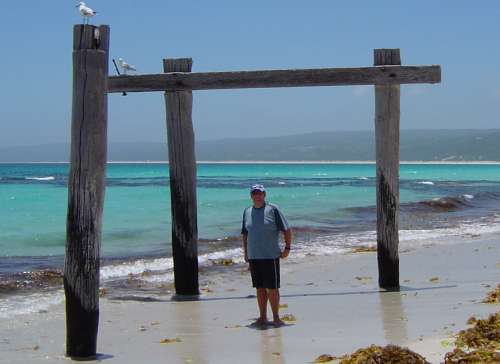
x=486 y=162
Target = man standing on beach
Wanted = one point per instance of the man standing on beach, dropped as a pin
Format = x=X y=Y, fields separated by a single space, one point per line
x=260 y=230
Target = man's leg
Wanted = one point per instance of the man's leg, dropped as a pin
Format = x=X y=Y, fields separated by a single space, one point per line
x=274 y=300
x=262 y=302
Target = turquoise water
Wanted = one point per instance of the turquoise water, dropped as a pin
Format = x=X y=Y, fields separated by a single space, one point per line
x=33 y=200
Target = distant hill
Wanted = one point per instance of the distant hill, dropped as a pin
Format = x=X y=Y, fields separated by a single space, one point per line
x=416 y=145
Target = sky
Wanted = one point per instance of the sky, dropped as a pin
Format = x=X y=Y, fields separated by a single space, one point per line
x=461 y=36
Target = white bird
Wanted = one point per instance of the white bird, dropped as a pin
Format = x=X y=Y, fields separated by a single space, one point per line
x=125 y=66
x=85 y=11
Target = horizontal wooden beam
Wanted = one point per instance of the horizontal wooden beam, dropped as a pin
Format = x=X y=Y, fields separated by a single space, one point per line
x=175 y=81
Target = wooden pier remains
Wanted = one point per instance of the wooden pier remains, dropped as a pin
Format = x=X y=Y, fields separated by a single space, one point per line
x=86 y=185
x=387 y=101
x=182 y=166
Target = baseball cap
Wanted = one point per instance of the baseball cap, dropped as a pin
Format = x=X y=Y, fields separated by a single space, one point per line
x=257 y=187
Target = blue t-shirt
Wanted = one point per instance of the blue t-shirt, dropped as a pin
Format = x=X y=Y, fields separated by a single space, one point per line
x=262 y=226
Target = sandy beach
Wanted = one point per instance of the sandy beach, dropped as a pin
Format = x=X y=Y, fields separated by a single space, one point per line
x=335 y=300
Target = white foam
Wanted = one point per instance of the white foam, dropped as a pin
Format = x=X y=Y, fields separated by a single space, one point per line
x=136 y=267
x=49 y=178
x=363 y=178
x=339 y=243
x=468 y=197
x=162 y=265
x=25 y=304
x=425 y=183
x=318 y=245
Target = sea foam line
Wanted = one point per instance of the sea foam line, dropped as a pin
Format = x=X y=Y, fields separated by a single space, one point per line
x=36 y=302
x=49 y=178
x=320 y=245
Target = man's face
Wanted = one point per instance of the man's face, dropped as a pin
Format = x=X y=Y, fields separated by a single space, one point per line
x=258 y=197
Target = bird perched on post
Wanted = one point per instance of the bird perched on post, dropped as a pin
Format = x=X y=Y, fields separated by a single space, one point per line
x=125 y=66
x=85 y=11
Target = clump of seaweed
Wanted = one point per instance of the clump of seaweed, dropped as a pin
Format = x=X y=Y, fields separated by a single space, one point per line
x=493 y=296
x=170 y=341
x=325 y=358
x=485 y=334
x=478 y=344
x=390 y=354
x=364 y=249
x=480 y=356
x=222 y=261
x=8 y=287
x=288 y=318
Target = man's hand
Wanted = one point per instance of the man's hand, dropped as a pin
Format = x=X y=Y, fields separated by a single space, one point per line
x=288 y=242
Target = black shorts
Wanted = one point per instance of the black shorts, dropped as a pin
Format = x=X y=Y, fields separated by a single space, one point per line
x=265 y=273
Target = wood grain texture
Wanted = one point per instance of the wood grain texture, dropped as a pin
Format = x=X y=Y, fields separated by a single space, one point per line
x=387 y=115
x=86 y=186
x=182 y=165
x=383 y=75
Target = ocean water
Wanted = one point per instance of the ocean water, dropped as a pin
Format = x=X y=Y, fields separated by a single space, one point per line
x=331 y=207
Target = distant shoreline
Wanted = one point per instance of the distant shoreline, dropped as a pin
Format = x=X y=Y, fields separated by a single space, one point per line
x=277 y=162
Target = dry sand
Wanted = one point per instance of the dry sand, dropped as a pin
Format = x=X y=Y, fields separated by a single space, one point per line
x=335 y=300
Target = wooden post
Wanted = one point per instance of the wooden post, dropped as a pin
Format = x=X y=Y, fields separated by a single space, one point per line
x=182 y=166
x=387 y=113
x=86 y=185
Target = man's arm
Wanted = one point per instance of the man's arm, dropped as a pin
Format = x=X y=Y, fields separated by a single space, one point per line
x=288 y=243
x=245 y=240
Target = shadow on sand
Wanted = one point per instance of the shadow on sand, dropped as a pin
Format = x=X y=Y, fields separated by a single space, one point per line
x=177 y=299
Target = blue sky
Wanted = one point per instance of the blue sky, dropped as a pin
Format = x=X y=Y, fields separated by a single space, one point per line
x=462 y=36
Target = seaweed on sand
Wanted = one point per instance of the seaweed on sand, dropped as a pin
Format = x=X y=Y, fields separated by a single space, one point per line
x=170 y=341
x=458 y=356
x=478 y=344
x=493 y=296
x=325 y=358
x=390 y=354
x=485 y=334
x=222 y=261
x=288 y=318
x=364 y=249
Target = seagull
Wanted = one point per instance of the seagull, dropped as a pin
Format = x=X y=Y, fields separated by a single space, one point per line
x=125 y=66
x=86 y=12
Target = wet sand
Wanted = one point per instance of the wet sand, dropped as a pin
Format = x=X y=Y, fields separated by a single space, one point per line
x=335 y=300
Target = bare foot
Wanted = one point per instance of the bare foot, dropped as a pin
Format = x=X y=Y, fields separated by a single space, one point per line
x=277 y=322
x=260 y=322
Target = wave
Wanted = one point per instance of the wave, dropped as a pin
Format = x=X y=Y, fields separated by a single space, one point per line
x=446 y=203
x=162 y=265
x=31 y=303
x=49 y=178
x=430 y=183
x=438 y=204
x=158 y=272
x=324 y=244
x=38 y=279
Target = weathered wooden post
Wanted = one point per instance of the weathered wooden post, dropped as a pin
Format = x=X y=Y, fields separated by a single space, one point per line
x=182 y=166
x=387 y=112
x=86 y=185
